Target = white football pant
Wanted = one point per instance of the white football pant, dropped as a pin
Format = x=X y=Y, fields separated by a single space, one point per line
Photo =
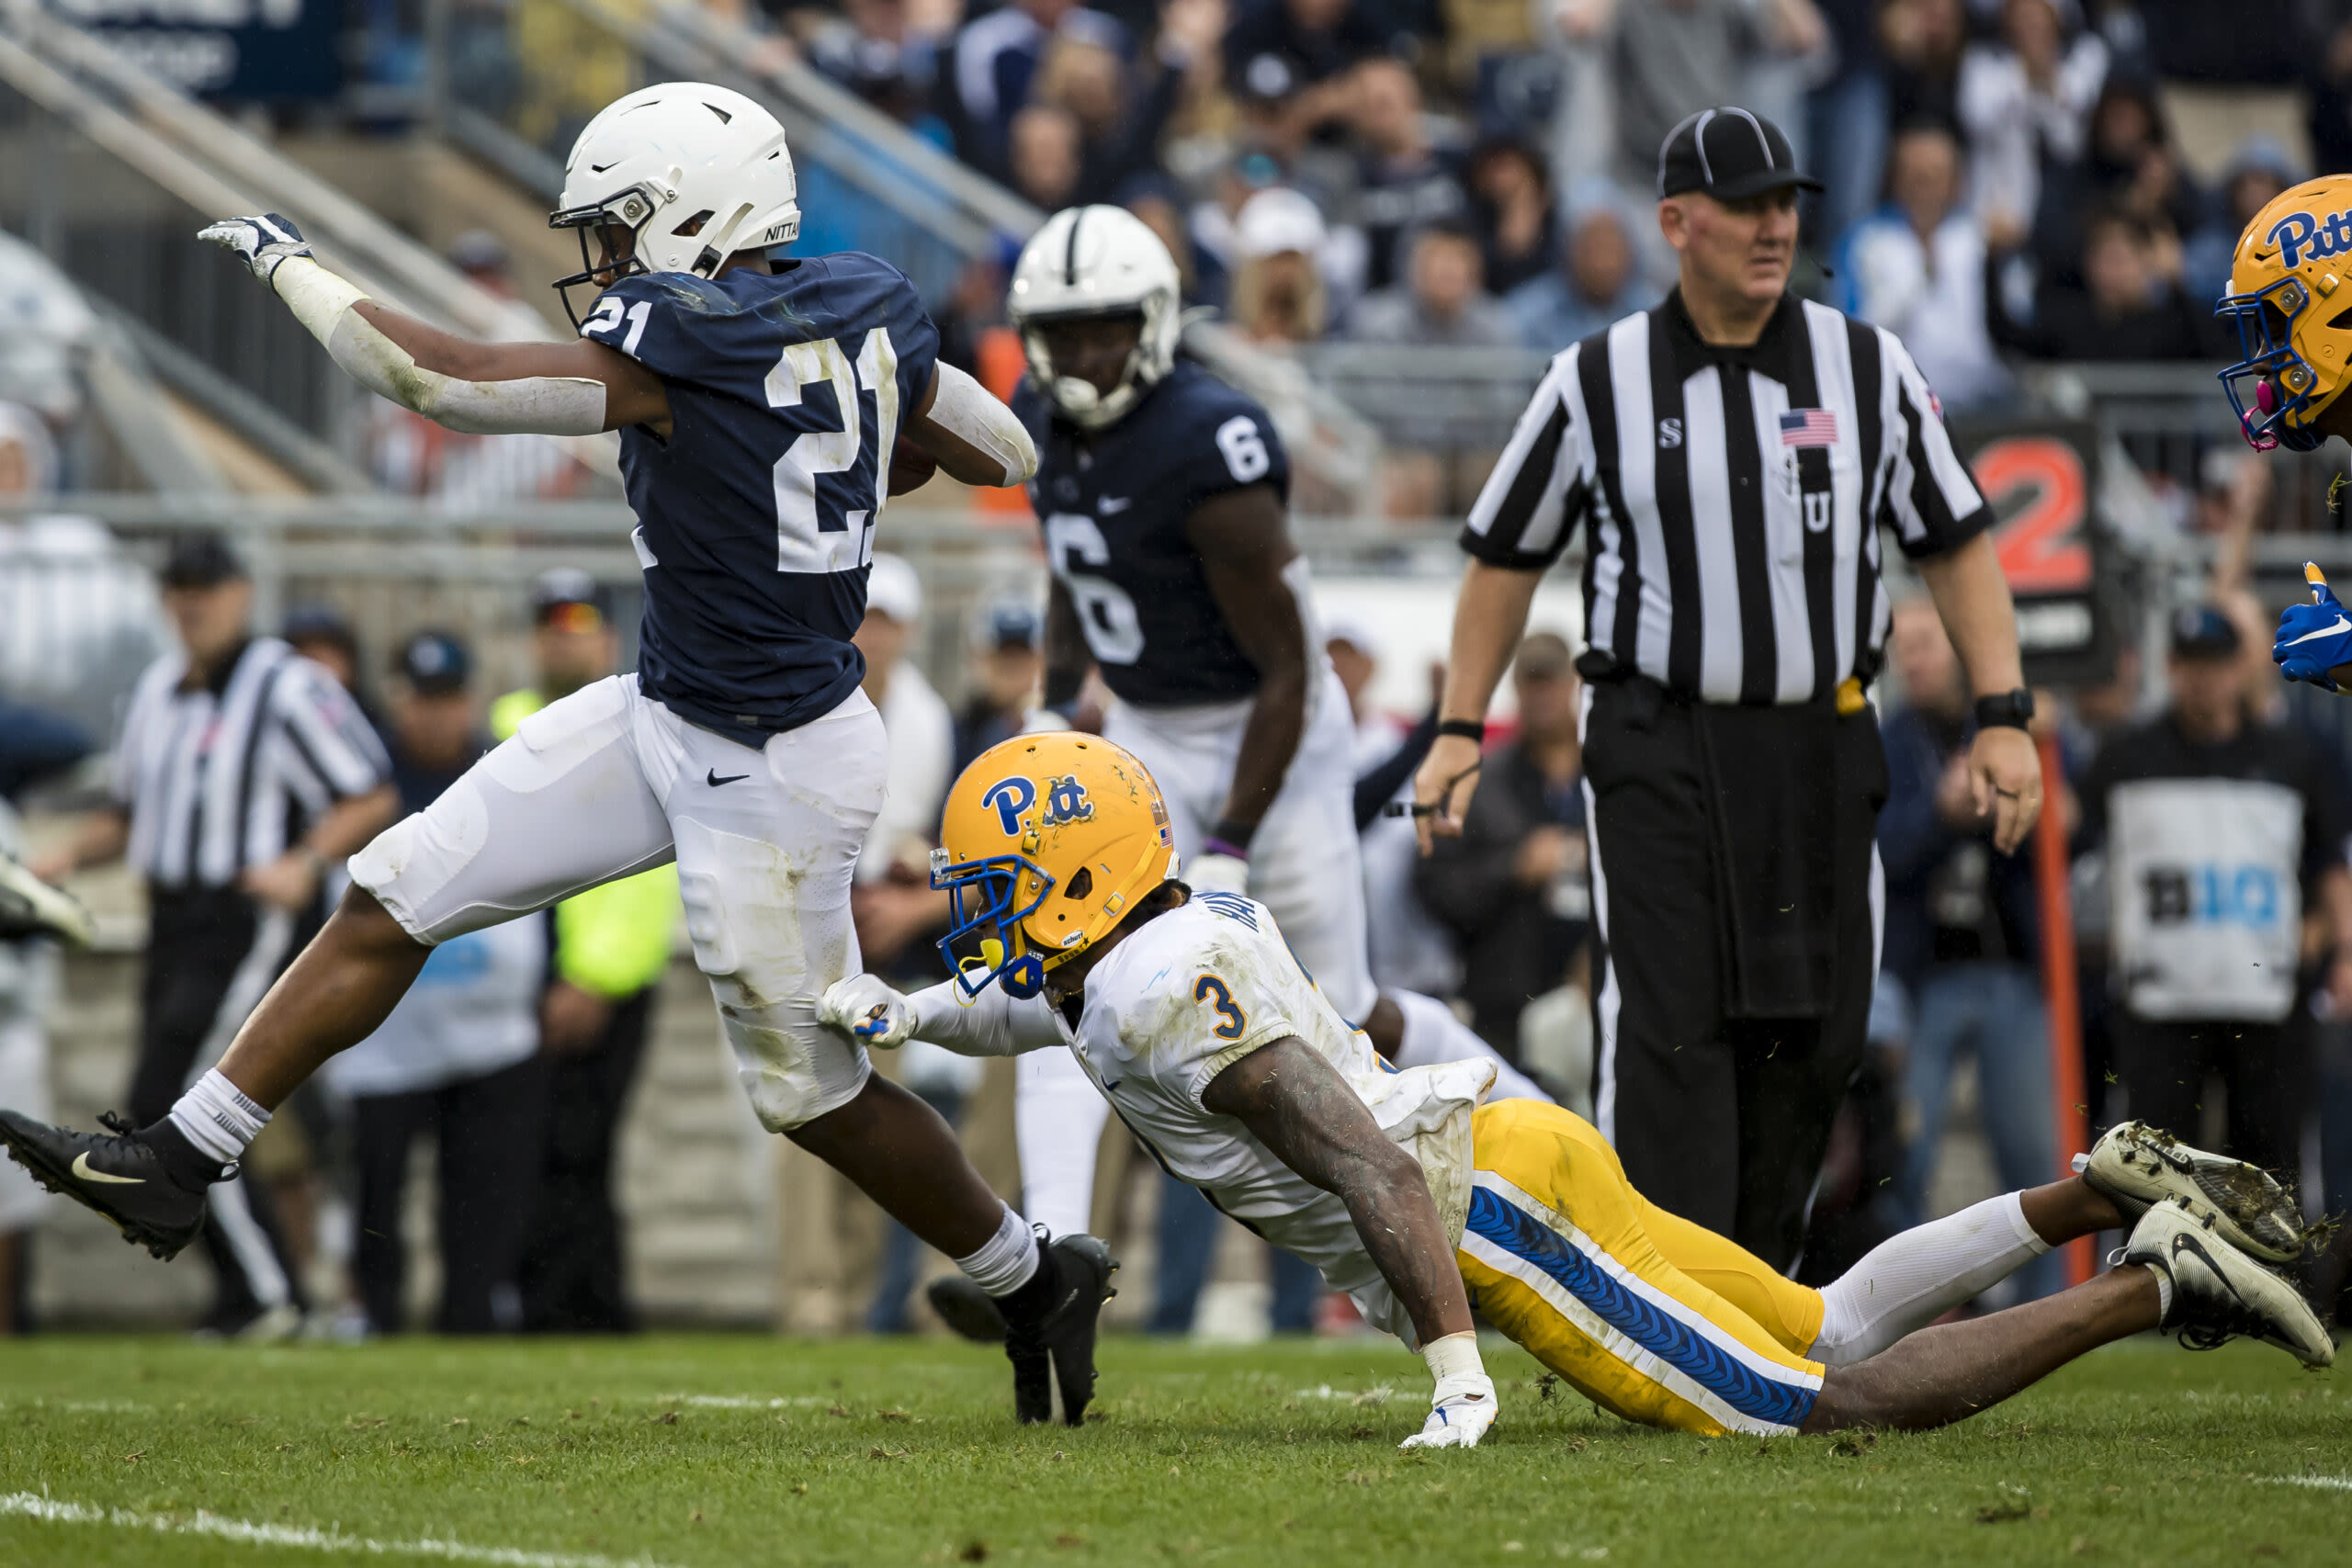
x=608 y=782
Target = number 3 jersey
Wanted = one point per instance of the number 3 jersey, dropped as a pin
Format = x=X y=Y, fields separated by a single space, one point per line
x=755 y=518
x=1114 y=504
x=1183 y=998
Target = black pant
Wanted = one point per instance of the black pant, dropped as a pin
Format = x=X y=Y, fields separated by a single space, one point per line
x=1721 y=1120
x=2265 y=1069
x=211 y=952
x=572 y=1275
x=488 y=1129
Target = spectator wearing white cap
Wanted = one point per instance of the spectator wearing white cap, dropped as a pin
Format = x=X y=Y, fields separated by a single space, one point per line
x=1290 y=265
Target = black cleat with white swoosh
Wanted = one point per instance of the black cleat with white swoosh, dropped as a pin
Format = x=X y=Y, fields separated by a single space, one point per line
x=123 y=1175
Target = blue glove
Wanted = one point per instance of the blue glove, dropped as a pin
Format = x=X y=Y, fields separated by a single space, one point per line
x=2313 y=639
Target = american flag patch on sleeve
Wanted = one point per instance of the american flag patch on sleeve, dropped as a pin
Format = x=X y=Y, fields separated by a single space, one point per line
x=1808 y=427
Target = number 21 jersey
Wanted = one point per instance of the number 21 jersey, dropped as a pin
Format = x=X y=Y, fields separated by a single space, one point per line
x=1113 y=505
x=755 y=518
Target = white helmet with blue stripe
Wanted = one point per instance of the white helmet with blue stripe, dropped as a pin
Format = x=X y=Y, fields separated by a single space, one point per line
x=1097 y=260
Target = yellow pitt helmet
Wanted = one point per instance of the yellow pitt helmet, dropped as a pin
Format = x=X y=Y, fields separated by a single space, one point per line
x=1046 y=841
x=2293 y=314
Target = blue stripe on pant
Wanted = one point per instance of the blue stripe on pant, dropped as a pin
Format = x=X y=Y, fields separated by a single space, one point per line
x=1734 y=1382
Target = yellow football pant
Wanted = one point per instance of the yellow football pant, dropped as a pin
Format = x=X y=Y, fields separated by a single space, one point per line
x=1645 y=1312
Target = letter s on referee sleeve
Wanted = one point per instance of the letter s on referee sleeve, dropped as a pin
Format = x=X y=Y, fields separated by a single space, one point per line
x=1535 y=498
x=1934 y=501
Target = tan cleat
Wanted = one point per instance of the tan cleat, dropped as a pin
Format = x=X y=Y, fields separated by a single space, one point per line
x=2217 y=1292
x=29 y=907
x=2140 y=1167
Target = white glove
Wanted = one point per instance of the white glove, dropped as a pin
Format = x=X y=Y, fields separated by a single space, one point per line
x=868 y=1010
x=1214 y=873
x=263 y=243
x=1460 y=1412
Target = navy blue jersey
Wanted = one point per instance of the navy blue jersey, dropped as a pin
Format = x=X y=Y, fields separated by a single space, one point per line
x=756 y=519
x=1114 y=503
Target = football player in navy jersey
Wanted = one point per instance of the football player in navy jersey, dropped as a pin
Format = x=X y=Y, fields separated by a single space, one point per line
x=1163 y=493
x=761 y=403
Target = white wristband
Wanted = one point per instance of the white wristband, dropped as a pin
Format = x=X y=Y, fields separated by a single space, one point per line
x=1455 y=1356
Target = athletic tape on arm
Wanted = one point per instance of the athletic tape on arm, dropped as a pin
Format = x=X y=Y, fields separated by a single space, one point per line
x=968 y=409
x=533 y=405
x=991 y=1024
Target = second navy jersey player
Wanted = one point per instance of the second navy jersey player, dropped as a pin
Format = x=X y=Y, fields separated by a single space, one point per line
x=1115 y=505
x=756 y=517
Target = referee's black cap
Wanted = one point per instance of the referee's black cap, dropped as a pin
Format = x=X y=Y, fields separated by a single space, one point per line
x=1730 y=153
x=201 y=559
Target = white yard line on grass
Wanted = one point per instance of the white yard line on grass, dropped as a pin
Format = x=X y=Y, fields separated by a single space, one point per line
x=2323 y=1482
x=26 y=1504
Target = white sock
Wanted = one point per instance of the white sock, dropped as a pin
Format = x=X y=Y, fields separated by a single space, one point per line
x=216 y=1117
x=1432 y=1034
x=1009 y=1259
x=1909 y=1281
x=2164 y=1291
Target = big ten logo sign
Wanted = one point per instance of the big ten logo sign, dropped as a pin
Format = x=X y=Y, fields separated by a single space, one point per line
x=2040 y=482
x=2213 y=894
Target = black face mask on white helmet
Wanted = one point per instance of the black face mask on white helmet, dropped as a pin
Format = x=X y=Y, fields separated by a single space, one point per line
x=1090 y=262
x=694 y=172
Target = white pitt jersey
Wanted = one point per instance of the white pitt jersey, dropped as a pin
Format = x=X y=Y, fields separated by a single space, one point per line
x=1195 y=990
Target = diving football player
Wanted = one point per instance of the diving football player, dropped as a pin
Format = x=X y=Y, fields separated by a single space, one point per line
x=1191 y=1015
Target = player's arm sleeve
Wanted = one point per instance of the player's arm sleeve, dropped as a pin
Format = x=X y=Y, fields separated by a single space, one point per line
x=540 y=405
x=1931 y=499
x=990 y=1024
x=615 y=940
x=1537 y=493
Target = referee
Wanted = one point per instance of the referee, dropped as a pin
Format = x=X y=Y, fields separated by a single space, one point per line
x=242 y=773
x=1733 y=456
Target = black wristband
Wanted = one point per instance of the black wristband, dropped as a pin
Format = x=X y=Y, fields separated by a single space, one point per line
x=1468 y=728
x=1237 y=834
x=2008 y=710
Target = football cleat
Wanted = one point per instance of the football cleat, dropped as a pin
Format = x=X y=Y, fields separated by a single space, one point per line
x=119 y=1173
x=2140 y=1167
x=1049 y=1336
x=2217 y=1292
x=29 y=907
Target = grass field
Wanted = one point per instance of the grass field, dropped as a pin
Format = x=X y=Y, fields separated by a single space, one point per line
x=739 y=1451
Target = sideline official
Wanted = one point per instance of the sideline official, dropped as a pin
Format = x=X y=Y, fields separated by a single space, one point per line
x=1733 y=456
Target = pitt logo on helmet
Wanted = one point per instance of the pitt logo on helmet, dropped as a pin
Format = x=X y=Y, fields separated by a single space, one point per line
x=1098 y=846
x=2299 y=234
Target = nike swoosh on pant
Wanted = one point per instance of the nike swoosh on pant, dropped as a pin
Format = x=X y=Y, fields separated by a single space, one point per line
x=82 y=1170
x=2340 y=626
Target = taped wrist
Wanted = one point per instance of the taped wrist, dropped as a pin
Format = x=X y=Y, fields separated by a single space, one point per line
x=535 y=405
x=1453 y=1363
x=967 y=410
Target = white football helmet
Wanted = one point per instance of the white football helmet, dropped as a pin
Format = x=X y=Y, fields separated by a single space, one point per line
x=695 y=172
x=1097 y=260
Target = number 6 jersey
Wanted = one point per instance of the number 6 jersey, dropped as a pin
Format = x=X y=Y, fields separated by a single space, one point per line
x=756 y=519
x=1114 y=504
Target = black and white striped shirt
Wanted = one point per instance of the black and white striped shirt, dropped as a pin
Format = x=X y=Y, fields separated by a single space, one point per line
x=226 y=775
x=1733 y=496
